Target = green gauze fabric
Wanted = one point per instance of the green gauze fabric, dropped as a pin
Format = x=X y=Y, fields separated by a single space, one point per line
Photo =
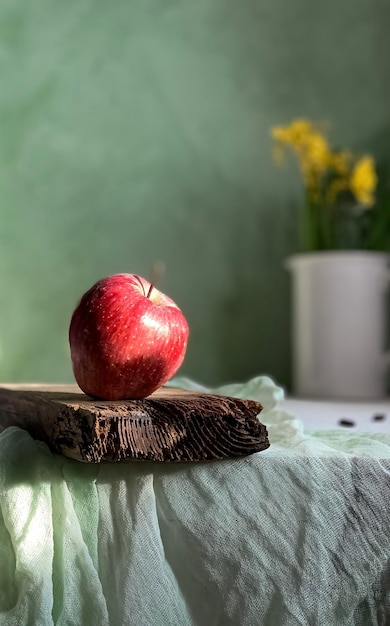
x=296 y=535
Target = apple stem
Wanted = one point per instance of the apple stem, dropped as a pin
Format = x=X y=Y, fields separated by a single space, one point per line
x=150 y=291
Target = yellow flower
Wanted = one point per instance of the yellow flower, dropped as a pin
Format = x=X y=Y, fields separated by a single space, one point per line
x=340 y=162
x=300 y=130
x=326 y=174
x=313 y=156
x=293 y=134
x=311 y=149
x=364 y=180
x=316 y=152
x=281 y=133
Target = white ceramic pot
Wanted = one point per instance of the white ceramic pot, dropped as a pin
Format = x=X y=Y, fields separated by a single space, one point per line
x=340 y=322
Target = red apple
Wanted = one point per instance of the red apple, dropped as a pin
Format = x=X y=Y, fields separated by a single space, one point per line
x=126 y=338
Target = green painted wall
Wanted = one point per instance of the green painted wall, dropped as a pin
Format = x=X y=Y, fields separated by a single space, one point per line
x=136 y=131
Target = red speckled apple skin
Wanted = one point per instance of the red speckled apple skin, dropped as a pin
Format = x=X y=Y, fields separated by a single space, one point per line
x=123 y=343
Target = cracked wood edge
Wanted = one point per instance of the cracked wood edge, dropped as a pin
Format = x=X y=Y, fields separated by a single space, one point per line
x=170 y=425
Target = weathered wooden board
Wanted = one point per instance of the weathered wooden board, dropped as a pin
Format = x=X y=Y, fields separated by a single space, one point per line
x=170 y=425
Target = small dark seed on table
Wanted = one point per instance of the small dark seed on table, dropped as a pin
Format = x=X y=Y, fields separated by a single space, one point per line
x=345 y=422
x=379 y=417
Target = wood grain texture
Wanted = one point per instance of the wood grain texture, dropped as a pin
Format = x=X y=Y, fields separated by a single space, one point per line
x=170 y=425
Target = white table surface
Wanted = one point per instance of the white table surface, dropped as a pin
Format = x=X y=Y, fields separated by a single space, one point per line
x=326 y=415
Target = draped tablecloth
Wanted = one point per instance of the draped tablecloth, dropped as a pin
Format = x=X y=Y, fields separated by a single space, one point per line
x=296 y=535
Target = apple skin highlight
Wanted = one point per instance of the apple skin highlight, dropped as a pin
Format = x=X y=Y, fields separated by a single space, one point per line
x=126 y=338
